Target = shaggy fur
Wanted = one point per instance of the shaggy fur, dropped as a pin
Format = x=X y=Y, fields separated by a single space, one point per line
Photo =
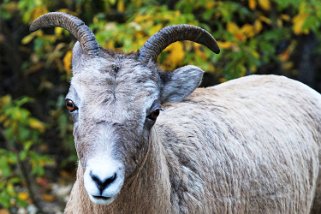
x=251 y=145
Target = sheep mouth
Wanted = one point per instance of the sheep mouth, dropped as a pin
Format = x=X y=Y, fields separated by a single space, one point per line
x=100 y=197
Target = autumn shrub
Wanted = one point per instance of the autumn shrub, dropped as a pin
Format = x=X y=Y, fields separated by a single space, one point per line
x=255 y=36
x=20 y=163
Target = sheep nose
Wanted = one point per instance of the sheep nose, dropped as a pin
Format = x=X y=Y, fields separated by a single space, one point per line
x=102 y=183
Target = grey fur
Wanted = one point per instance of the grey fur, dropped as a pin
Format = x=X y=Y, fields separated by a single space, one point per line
x=251 y=145
x=246 y=146
x=180 y=83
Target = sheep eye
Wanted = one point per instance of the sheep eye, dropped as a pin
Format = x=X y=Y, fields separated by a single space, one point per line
x=70 y=105
x=153 y=116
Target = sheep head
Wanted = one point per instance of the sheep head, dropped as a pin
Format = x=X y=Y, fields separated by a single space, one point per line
x=115 y=99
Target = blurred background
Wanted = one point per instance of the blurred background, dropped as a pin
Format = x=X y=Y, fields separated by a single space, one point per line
x=37 y=156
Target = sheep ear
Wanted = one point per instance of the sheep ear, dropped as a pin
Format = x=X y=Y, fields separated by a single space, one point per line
x=180 y=83
x=77 y=52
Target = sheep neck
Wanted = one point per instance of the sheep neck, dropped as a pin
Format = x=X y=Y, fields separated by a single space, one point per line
x=149 y=193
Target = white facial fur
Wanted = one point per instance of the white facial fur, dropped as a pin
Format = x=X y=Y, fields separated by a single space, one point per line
x=103 y=167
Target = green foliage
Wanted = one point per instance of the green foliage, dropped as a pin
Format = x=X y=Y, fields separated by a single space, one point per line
x=21 y=133
x=255 y=36
x=64 y=128
x=248 y=32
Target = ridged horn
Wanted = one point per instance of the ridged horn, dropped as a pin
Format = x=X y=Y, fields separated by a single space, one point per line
x=168 y=35
x=71 y=23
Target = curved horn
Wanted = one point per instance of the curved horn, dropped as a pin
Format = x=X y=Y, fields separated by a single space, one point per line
x=71 y=23
x=168 y=35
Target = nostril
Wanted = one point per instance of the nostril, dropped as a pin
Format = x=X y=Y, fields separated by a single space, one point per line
x=110 y=180
x=95 y=178
x=103 y=184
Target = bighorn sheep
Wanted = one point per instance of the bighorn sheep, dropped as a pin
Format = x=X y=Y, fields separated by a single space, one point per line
x=149 y=142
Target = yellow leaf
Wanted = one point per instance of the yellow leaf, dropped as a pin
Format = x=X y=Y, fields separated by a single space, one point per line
x=155 y=28
x=5 y=100
x=48 y=197
x=285 y=17
x=198 y=51
x=140 y=38
x=265 y=19
x=225 y=45
x=67 y=62
x=27 y=39
x=38 y=11
x=236 y=31
x=176 y=54
x=209 y=4
x=36 y=124
x=298 y=22
x=287 y=66
x=222 y=79
x=248 y=30
x=257 y=26
x=2 y=118
x=121 y=6
x=58 y=31
x=137 y=3
x=142 y=18
x=11 y=7
x=252 y=4
x=255 y=54
x=279 y=23
x=265 y=4
x=10 y=188
x=284 y=56
x=23 y=196
x=232 y=28
x=18 y=115
x=108 y=45
x=253 y=68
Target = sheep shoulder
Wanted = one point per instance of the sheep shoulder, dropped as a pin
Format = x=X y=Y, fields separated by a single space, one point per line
x=247 y=145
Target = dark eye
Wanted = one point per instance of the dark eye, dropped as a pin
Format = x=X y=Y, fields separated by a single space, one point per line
x=70 y=105
x=153 y=116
